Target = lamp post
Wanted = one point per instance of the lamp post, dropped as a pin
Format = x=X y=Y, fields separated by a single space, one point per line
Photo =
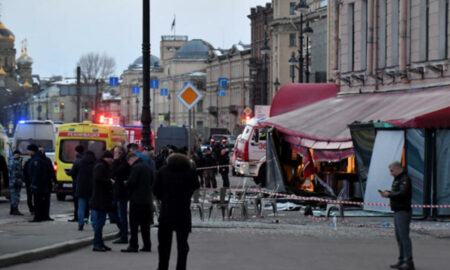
x=146 y=118
x=292 y=64
x=308 y=31
x=265 y=49
x=301 y=8
x=276 y=84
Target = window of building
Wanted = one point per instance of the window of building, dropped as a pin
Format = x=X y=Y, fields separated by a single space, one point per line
x=351 y=36
x=395 y=32
x=323 y=3
x=382 y=33
x=292 y=8
x=200 y=106
x=292 y=39
x=364 y=26
x=424 y=29
x=443 y=29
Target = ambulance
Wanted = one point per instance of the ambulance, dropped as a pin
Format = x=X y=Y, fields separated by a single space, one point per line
x=93 y=137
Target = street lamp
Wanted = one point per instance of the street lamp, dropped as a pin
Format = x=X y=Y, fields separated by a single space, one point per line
x=301 y=8
x=276 y=84
x=292 y=64
x=146 y=118
x=265 y=49
x=308 y=33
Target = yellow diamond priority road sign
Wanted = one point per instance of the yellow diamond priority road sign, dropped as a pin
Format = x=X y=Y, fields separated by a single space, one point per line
x=189 y=96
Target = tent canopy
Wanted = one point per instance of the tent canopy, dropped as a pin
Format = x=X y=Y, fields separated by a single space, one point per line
x=296 y=95
x=323 y=125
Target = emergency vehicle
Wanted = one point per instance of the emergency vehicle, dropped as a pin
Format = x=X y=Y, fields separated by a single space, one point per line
x=93 y=137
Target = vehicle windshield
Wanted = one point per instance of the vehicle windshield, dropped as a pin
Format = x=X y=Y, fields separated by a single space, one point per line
x=67 y=152
x=23 y=144
x=246 y=133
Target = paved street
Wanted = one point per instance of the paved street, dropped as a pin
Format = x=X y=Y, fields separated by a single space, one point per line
x=286 y=241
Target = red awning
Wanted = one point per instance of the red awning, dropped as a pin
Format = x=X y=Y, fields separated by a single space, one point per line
x=323 y=125
x=297 y=95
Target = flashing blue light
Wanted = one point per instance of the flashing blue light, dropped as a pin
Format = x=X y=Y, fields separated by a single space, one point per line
x=22 y=122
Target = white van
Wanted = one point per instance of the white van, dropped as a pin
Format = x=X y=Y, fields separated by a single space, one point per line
x=249 y=157
x=34 y=132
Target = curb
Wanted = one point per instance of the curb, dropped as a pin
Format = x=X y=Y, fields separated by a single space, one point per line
x=48 y=251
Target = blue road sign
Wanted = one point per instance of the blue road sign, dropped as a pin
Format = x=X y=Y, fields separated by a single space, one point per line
x=222 y=92
x=164 y=92
x=114 y=81
x=223 y=82
x=135 y=90
x=154 y=84
x=191 y=82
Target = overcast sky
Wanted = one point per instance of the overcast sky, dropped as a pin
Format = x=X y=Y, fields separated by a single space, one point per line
x=60 y=31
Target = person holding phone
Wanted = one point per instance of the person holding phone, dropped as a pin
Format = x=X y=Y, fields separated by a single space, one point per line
x=400 y=196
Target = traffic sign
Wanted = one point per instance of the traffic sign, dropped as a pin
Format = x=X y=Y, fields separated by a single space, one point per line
x=154 y=84
x=191 y=82
x=164 y=92
x=222 y=92
x=189 y=96
x=223 y=82
x=135 y=90
x=161 y=117
x=247 y=111
x=114 y=81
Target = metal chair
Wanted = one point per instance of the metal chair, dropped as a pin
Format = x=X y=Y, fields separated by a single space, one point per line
x=221 y=203
x=261 y=201
x=198 y=203
x=239 y=203
x=336 y=206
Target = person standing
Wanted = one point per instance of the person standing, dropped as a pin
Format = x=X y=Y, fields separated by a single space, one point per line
x=134 y=148
x=40 y=186
x=27 y=180
x=400 y=196
x=15 y=182
x=83 y=190
x=224 y=162
x=174 y=185
x=101 y=201
x=139 y=185
x=51 y=181
x=79 y=149
x=210 y=162
x=120 y=172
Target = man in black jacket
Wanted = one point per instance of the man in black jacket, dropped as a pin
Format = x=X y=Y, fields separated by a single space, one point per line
x=50 y=178
x=74 y=173
x=83 y=190
x=224 y=162
x=101 y=200
x=120 y=172
x=175 y=183
x=400 y=196
x=139 y=185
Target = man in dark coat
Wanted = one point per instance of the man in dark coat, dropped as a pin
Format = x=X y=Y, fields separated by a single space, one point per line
x=83 y=190
x=175 y=183
x=51 y=179
x=224 y=162
x=120 y=172
x=40 y=185
x=210 y=174
x=79 y=149
x=101 y=201
x=400 y=196
x=139 y=185
x=27 y=180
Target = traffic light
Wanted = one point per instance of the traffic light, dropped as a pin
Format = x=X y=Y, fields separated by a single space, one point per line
x=86 y=110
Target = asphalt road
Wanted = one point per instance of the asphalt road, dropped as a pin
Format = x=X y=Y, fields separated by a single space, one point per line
x=253 y=248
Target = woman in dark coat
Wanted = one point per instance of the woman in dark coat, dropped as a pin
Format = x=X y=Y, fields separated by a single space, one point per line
x=84 y=186
x=101 y=201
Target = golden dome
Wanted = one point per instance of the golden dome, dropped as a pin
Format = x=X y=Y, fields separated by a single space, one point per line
x=6 y=34
x=26 y=85
x=2 y=72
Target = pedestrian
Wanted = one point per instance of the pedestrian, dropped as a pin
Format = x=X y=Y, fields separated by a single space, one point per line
x=197 y=156
x=74 y=171
x=149 y=151
x=50 y=178
x=27 y=180
x=174 y=185
x=101 y=200
x=224 y=163
x=84 y=185
x=139 y=185
x=400 y=196
x=120 y=172
x=40 y=184
x=210 y=162
x=160 y=159
x=134 y=148
x=15 y=182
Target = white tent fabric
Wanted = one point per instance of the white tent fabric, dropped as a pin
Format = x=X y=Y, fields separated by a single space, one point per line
x=388 y=148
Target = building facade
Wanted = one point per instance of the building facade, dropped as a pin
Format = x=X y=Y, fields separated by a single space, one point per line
x=386 y=45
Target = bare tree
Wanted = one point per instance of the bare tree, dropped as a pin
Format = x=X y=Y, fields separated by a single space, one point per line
x=95 y=66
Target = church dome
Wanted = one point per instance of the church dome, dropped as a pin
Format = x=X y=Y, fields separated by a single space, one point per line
x=25 y=59
x=138 y=63
x=195 y=48
x=5 y=34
